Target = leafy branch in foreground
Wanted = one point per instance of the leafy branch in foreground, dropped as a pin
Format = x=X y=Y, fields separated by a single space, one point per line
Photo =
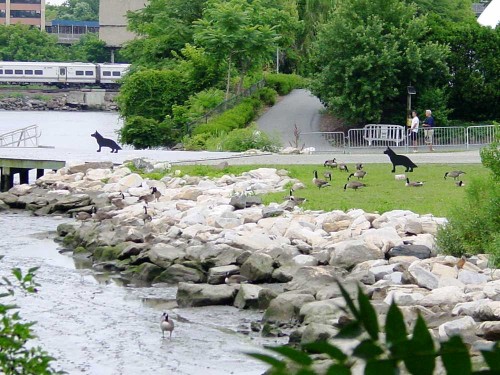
x=17 y=355
x=416 y=351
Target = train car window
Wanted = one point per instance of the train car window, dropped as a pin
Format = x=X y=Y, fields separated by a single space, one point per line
x=79 y=72
x=18 y=71
x=28 y=72
x=39 y=72
x=116 y=74
x=106 y=74
x=62 y=71
x=9 y=71
x=1 y=71
x=89 y=73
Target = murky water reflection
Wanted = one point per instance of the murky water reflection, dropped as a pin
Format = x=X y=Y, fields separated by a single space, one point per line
x=93 y=324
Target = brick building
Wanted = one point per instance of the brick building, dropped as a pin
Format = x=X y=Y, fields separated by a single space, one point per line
x=26 y=12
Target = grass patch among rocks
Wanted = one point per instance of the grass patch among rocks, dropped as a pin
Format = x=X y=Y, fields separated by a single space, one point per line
x=438 y=196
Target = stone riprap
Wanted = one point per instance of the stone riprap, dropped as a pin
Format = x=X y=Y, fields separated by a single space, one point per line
x=199 y=230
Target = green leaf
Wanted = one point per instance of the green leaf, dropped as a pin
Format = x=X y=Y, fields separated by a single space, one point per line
x=293 y=354
x=275 y=363
x=326 y=348
x=349 y=331
x=421 y=357
x=367 y=349
x=33 y=269
x=395 y=328
x=368 y=315
x=455 y=357
x=349 y=301
x=338 y=369
x=382 y=366
x=17 y=273
x=492 y=357
x=7 y=281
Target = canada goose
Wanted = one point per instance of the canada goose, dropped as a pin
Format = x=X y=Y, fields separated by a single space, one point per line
x=156 y=193
x=319 y=183
x=295 y=199
x=454 y=174
x=145 y=216
x=460 y=183
x=148 y=197
x=414 y=183
x=166 y=324
x=354 y=185
x=359 y=166
x=328 y=175
x=461 y=262
x=83 y=216
x=235 y=279
x=330 y=163
x=100 y=215
x=343 y=167
x=119 y=202
x=359 y=174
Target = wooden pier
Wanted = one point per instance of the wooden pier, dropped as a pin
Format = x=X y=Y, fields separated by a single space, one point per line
x=9 y=167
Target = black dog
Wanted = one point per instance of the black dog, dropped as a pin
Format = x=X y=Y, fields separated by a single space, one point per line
x=105 y=142
x=400 y=160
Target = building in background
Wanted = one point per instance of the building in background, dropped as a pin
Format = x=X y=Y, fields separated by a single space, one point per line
x=26 y=12
x=69 y=32
x=113 y=21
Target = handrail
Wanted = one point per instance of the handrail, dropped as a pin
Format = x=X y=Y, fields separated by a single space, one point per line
x=27 y=136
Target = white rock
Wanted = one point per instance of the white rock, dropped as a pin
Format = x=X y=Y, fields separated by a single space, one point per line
x=456 y=327
x=305 y=260
x=131 y=180
x=349 y=253
x=468 y=308
x=492 y=290
x=402 y=298
x=384 y=238
x=470 y=277
x=97 y=174
x=446 y=295
x=423 y=277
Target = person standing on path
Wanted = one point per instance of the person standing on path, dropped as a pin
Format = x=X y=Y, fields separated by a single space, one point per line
x=429 y=128
x=415 y=122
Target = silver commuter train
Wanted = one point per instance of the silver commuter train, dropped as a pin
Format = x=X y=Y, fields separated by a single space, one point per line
x=61 y=74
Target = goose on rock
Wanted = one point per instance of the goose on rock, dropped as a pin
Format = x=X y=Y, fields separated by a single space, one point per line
x=145 y=216
x=318 y=182
x=235 y=279
x=166 y=324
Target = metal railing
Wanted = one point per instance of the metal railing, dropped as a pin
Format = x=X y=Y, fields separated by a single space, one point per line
x=25 y=137
x=396 y=136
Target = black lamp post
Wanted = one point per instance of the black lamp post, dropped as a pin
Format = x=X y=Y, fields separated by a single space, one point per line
x=410 y=91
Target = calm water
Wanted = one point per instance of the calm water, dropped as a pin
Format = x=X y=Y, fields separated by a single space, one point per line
x=93 y=323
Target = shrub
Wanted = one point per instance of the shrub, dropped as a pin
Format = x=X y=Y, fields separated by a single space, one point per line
x=382 y=354
x=478 y=231
x=196 y=142
x=284 y=83
x=142 y=132
x=267 y=95
x=197 y=105
x=240 y=140
x=237 y=117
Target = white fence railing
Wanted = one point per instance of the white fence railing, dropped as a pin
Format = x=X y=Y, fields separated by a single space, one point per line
x=382 y=135
x=25 y=137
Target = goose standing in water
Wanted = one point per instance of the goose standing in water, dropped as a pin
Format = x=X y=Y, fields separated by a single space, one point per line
x=319 y=183
x=414 y=183
x=166 y=324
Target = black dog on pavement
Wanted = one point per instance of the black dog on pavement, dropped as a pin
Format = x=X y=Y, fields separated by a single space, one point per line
x=105 y=142
x=400 y=160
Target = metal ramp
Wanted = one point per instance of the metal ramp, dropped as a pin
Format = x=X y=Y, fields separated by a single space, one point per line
x=24 y=137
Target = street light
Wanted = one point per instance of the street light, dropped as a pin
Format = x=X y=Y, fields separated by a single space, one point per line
x=411 y=91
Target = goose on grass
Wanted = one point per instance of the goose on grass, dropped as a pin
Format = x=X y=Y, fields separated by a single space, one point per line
x=318 y=182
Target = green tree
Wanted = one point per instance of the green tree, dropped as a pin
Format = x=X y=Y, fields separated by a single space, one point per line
x=240 y=33
x=17 y=354
x=80 y=10
x=366 y=55
x=24 y=43
x=158 y=41
x=90 y=48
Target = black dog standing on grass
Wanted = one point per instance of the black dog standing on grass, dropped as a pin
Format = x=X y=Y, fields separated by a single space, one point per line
x=400 y=160
x=105 y=142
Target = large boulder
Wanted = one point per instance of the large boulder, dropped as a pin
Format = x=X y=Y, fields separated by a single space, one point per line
x=317 y=332
x=178 y=273
x=347 y=254
x=164 y=255
x=286 y=307
x=248 y=296
x=315 y=278
x=258 y=267
x=423 y=277
x=324 y=312
x=192 y=295
x=217 y=275
x=419 y=251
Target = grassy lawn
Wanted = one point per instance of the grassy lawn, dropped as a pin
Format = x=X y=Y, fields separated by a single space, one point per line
x=382 y=193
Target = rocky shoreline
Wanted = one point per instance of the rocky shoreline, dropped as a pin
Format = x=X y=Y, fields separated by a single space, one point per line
x=198 y=230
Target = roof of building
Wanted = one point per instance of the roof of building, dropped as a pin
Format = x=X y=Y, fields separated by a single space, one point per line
x=491 y=15
x=75 y=23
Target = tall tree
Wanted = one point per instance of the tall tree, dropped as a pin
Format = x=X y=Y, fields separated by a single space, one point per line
x=366 y=55
x=243 y=34
x=80 y=10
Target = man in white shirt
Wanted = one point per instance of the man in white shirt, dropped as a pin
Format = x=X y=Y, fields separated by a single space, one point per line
x=415 y=122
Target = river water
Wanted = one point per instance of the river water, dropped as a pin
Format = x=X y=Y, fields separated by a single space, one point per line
x=94 y=323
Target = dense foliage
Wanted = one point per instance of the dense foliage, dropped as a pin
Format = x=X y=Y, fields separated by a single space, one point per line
x=474 y=226
x=17 y=354
x=81 y=10
x=382 y=352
